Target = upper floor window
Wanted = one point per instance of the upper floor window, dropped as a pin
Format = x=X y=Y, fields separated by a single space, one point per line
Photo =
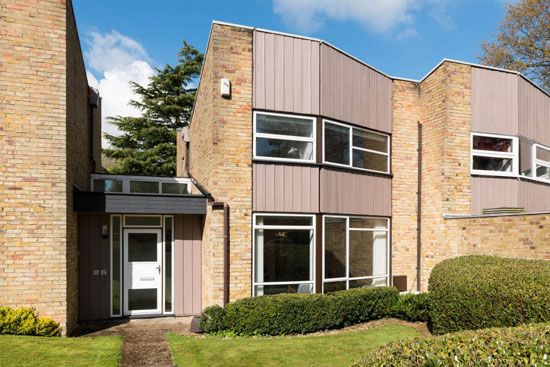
x=494 y=155
x=354 y=147
x=284 y=137
x=542 y=162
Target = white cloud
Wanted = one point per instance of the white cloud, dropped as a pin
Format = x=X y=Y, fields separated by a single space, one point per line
x=376 y=16
x=115 y=60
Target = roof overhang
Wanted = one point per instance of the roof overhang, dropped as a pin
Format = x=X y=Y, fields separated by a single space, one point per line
x=99 y=202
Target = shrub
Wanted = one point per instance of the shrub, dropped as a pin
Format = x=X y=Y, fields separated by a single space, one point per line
x=285 y=314
x=24 y=321
x=528 y=345
x=213 y=319
x=477 y=292
x=412 y=307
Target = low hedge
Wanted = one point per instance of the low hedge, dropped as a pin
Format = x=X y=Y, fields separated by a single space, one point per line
x=24 y=321
x=286 y=314
x=528 y=345
x=413 y=307
x=478 y=292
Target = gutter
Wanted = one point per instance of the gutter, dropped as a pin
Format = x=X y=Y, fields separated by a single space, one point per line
x=419 y=212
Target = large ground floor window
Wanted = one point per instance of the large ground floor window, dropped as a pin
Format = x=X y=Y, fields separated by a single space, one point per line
x=283 y=254
x=355 y=252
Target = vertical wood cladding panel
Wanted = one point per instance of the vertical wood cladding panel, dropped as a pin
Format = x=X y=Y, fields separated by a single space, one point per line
x=344 y=192
x=285 y=188
x=353 y=92
x=187 y=264
x=493 y=192
x=534 y=113
x=534 y=196
x=494 y=102
x=286 y=73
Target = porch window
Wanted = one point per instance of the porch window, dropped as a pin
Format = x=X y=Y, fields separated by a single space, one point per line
x=116 y=251
x=283 y=254
x=542 y=162
x=355 y=147
x=355 y=252
x=494 y=155
x=168 y=254
x=284 y=137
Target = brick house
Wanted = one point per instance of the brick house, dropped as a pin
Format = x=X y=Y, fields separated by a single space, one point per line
x=303 y=170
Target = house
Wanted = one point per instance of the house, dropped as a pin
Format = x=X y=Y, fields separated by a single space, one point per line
x=303 y=170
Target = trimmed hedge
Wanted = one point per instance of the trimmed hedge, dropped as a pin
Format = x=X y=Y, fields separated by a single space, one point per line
x=286 y=314
x=413 y=307
x=24 y=321
x=478 y=292
x=528 y=345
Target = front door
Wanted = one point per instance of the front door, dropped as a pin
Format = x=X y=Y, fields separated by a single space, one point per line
x=142 y=271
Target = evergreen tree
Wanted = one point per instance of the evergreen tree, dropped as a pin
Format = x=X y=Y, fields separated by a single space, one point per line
x=147 y=144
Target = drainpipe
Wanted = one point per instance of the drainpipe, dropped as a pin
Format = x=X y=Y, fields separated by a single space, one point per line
x=419 y=211
x=93 y=97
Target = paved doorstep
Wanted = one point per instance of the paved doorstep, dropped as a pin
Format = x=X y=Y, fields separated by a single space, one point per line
x=143 y=340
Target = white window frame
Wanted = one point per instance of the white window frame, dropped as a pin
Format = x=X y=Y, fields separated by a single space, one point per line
x=120 y=306
x=311 y=251
x=125 y=179
x=352 y=147
x=514 y=155
x=347 y=278
x=537 y=162
x=312 y=139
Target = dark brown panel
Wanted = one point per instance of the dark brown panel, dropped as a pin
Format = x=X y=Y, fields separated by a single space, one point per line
x=493 y=192
x=534 y=113
x=95 y=284
x=84 y=266
x=178 y=264
x=105 y=269
x=197 y=265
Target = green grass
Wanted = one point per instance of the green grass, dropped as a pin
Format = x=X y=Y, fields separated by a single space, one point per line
x=328 y=350
x=57 y=351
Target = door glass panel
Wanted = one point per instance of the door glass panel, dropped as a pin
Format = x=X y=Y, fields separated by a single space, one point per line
x=142 y=299
x=142 y=247
x=168 y=265
x=116 y=266
x=142 y=221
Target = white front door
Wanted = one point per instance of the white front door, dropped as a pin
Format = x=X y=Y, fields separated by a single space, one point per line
x=142 y=271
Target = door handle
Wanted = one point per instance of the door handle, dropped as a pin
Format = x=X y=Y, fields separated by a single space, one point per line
x=158 y=268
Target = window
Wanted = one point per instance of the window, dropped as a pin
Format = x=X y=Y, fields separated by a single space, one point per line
x=283 y=254
x=116 y=251
x=354 y=147
x=542 y=162
x=355 y=252
x=107 y=185
x=494 y=155
x=168 y=254
x=284 y=137
x=142 y=221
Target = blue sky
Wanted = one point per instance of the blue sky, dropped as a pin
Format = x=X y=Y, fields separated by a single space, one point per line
x=122 y=40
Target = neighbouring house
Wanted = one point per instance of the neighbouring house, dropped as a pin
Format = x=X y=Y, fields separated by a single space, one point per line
x=303 y=170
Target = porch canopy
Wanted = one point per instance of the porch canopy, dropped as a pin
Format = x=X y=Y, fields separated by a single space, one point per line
x=139 y=195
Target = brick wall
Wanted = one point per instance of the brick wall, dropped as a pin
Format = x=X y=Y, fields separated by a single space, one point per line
x=406 y=115
x=43 y=102
x=220 y=159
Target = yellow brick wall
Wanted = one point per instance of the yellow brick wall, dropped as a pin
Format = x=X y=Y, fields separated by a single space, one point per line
x=220 y=159
x=404 y=161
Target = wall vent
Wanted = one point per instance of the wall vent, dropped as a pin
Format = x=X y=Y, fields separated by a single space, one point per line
x=501 y=211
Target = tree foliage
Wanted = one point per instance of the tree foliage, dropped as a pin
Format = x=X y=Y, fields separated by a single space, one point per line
x=523 y=41
x=147 y=144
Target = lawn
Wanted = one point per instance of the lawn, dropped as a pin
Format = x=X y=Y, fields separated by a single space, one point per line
x=326 y=350
x=57 y=351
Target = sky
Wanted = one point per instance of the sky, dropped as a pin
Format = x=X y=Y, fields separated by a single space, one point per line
x=125 y=40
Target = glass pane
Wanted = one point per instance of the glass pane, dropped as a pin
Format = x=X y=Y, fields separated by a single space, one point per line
x=261 y=290
x=174 y=188
x=141 y=221
x=284 y=221
x=542 y=172
x=335 y=248
x=142 y=247
x=367 y=140
x=147 y=187
x=492 y=144
x=107 y=186
x=284 y=125
x=168 y=264
x=367 y=253
x=278 y=148
x=334 y=286
x=525 y=162
x=376 y=282
x=336 y=144
x=493 y=164
x=369 y=160
x=142 y=299
x=115 y=272
x=282 y=255
x=543 y=154
x=358 y=222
